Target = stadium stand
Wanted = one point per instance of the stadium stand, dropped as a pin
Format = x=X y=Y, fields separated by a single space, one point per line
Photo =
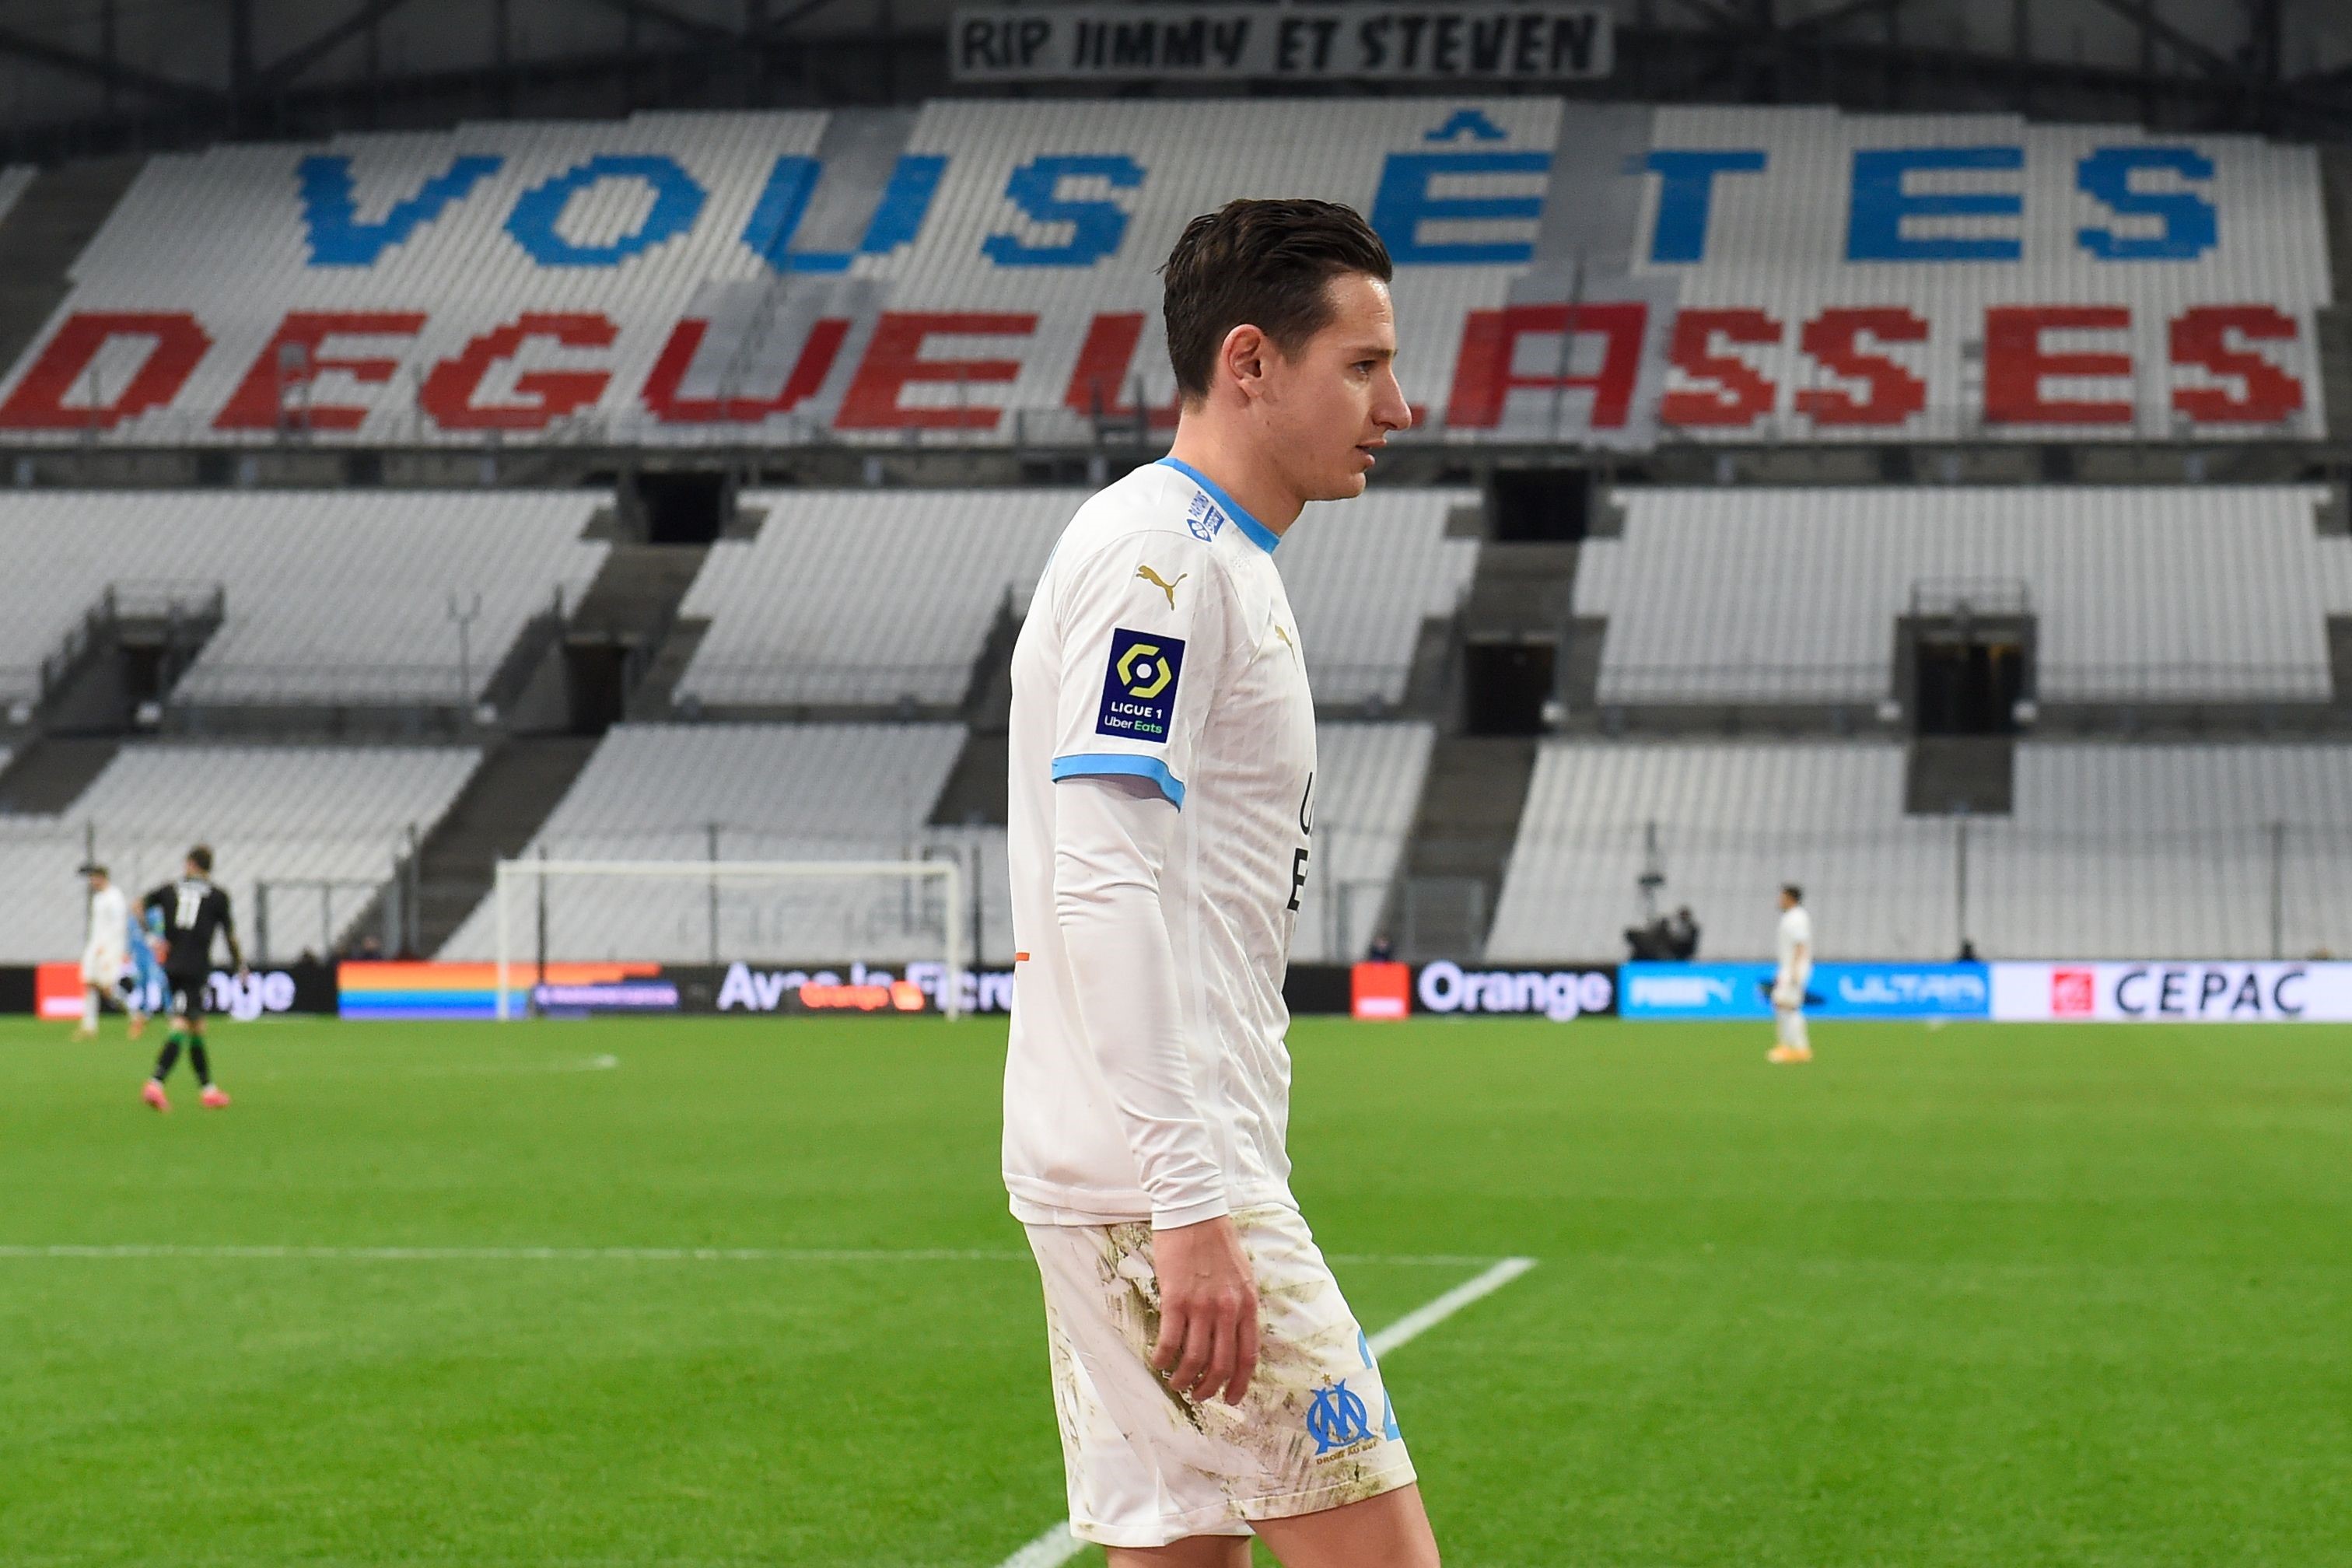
x=293 y=815
x=1363 y=576
x=327 y=595
x=2113 y=850
x=759 y=791
x=1367 y=780
x=2148 y=594
x=862 y=597
x=864 y=791
x=2133 y=850
x=968 y=274
x=983 y=270
x=1868 y=308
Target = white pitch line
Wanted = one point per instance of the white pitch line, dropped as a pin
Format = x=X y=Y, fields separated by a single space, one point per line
x=1057 y=1545
x=607 y=1254
x=534 y=1254
x=1420 y=1319
x=1051 y=1549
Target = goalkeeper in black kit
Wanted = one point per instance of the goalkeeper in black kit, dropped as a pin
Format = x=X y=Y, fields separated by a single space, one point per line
x=189 y=913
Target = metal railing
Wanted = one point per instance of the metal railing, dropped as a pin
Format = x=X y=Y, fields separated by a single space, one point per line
x=1914 y=890
x=271 y=877
x=421 y=683
x=283 y=908
x=2056 y=681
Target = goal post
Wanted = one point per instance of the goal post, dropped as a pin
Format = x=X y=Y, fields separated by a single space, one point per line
x=536 y=874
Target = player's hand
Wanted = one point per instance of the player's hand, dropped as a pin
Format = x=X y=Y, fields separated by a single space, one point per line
x=162 y=950
x=1208 y=1310
x=243 y=974
x=1785 y=996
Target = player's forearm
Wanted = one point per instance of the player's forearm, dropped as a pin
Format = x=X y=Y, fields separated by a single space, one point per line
x=1123 y=969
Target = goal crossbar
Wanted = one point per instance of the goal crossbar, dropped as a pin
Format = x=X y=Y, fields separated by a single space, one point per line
x=508 y=872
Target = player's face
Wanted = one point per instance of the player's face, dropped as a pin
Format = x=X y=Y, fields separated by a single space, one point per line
x=1329 y=410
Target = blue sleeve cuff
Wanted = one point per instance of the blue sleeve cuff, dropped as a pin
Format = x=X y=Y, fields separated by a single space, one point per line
x=1083 y=763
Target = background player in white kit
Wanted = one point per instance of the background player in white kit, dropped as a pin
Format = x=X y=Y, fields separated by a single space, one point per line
x=1209 y=1377
x=1794 y=973
x=105 y=951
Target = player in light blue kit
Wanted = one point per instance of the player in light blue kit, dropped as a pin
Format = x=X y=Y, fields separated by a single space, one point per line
x=142 y=987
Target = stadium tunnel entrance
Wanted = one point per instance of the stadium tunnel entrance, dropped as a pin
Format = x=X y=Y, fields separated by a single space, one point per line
x=1967 y=657
x=1508 y=687
x=678 y=505
x=1540 y=506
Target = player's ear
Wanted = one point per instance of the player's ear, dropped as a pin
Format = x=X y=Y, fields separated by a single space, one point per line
x=1243 y=354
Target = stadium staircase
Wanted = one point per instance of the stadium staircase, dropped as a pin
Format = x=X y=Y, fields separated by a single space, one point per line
x=1468 y=817
x=501 y=807
x=2335 y=323
x=44 y=232
x=110 y=677
x=975 y=790
x=616 y=655
x=629 y=615
x=47 y=775
x=1443 y=901
x=1953 y=775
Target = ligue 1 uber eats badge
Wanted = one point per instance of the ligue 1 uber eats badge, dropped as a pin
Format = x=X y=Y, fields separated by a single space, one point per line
x=1140 y=687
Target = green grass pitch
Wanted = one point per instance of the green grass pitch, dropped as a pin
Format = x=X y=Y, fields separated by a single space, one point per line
x=1985 y=1297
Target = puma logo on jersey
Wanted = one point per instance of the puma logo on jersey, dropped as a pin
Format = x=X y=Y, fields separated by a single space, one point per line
x=1147 y=574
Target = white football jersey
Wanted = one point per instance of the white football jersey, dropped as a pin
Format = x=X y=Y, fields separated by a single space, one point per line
x=1160 y=645
x=109 y=923
x=1796 y=930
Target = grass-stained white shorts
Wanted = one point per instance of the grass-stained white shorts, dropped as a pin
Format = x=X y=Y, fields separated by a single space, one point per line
x=1148 y=1467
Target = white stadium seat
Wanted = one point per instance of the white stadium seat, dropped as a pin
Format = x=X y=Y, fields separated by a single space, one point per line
x=2148 y=594
x=857 y=597
x=2114 y=851
x=331 y=595
x=1367 y=780
x=866 y=596
x=865 y=792
x=283 y=814
x=766 y=791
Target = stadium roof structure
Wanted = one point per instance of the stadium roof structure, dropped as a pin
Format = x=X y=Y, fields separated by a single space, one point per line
x=91 y=77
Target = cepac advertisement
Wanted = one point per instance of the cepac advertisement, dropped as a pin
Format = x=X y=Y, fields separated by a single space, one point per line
x=1683 y=992
x=2176 y=992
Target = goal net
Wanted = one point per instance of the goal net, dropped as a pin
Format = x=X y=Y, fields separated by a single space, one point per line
x=774 y=916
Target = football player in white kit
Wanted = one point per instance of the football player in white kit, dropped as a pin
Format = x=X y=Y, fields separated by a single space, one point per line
x=1789 y=978
x=1210 y=1379
x=106 y=949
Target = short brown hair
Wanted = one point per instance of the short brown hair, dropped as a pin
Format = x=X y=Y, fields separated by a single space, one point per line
x=201 y=857
x=1264 y=264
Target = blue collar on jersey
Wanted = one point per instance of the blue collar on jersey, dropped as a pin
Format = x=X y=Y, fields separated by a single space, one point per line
x=1265 y=538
